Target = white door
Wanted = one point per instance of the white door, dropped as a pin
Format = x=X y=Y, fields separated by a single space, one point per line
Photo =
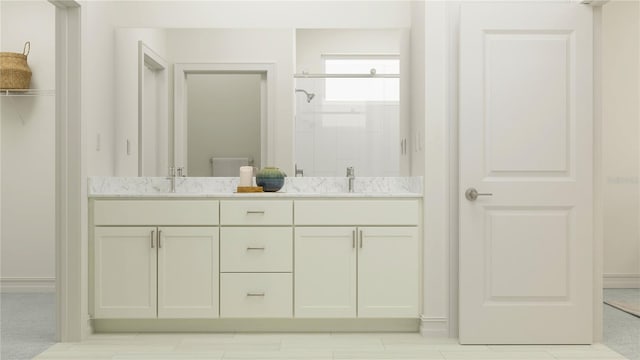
x=526 y=138
x=150 y=125
x=125 y=272
x=325 y=272
x=388 y=272
x=188 y=272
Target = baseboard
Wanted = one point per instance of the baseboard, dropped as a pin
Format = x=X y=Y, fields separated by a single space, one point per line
x=621 y=281
x=434 y=326
x=27 y=285
x=254 y=325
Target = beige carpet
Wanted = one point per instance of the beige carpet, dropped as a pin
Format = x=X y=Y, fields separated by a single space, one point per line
x=627 y=300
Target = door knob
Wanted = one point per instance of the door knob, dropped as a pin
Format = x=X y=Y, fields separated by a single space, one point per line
x=472 y=194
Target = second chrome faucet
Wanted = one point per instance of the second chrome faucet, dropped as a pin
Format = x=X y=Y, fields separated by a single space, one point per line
x=351 y=176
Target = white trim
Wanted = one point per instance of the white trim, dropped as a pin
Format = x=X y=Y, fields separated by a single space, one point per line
x=453 y=59
x=621 y=281
x=147 y=57
x=437 y=183
x=598 y=178
x=65 y=3
x=253 y=325
x=70 y=177
x=434 y=326
x=27 y=285
x=268 y=105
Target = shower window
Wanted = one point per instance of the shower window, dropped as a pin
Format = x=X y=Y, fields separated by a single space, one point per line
x=361 y=89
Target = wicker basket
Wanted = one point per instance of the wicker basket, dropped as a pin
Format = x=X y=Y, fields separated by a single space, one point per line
x=14 y=70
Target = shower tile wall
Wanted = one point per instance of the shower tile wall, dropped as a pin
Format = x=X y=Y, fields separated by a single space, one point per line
x=332 y=136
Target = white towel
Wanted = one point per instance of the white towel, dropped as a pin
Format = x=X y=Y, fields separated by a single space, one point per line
x=227 y=167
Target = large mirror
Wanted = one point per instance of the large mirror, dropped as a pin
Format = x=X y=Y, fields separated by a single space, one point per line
x=245 y=96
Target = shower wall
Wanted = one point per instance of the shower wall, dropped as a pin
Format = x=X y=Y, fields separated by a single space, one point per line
x=333 y=135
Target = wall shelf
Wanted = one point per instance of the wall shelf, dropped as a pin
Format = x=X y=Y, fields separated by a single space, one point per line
x=27 y=92
x=13 y=93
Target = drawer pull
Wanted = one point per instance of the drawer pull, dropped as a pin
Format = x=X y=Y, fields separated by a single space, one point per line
x=261 y=212
x=159 y=239
x=255 y=248
x=360 y=239
x=152 y=233
x=353 y=239
x=255 y=294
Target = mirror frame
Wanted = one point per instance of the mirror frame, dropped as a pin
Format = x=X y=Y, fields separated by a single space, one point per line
x=267 y=105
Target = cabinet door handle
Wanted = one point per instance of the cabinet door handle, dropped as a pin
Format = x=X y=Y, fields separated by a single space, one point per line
x=255 y=248
x=353 y=239
x=255 y=212
x=360 y=239
x=159 y=239
x=153 y=232
x=255 y=294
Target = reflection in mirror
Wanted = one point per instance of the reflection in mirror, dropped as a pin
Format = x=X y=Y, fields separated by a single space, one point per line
x=223 y=123
x=349 y=122
x=359 y=115
x=153 y=121
x=222 y=116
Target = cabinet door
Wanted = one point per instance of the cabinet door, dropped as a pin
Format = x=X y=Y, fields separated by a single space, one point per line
x=125 y=272
x=188 y=269
x=388 y=272
x=325 y=272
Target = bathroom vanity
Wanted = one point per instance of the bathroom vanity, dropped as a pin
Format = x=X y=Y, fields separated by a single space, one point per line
x=205 y=252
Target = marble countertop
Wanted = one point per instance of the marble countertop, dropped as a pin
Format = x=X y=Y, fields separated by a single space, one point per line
x=305 y=187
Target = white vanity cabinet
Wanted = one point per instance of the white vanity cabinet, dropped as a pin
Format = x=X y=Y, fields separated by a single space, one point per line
x=256 y=254
x=188 y=279
x=125 y=277
x=257 y=258
x=360 y=270
x=326 y=272
x=155 y=271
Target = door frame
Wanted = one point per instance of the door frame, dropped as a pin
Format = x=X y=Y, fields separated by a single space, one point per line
x=147 y=57
x=267 y=104
x=71 y=174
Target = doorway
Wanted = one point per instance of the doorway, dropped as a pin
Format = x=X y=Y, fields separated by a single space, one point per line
x=256 y=75
x=153 y=113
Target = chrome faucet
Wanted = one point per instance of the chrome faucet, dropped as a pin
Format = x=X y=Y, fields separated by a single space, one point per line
x=299 y=172
x=351 y=175
x=173 y=173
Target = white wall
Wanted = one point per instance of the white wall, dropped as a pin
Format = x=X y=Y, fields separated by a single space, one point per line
x=223 y=119
x=311 y=44
x=621 y=142
x=28 y=153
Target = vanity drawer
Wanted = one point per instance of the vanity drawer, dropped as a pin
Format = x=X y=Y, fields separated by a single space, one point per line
x=256 y=249
x=256 y=212
x=155 y=212
x=357 y=212
x=256 y=295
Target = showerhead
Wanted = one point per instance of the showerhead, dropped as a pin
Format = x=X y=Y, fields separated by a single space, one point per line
x=309 y=95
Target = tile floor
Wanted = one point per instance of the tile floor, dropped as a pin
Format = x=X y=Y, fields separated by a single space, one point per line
x=307 y=346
